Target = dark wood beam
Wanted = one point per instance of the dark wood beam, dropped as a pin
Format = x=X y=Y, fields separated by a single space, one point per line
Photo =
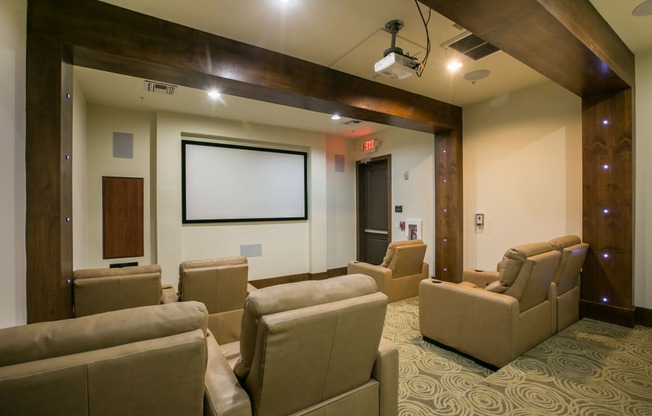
x=566 y=41
x=49 y=180
x=110 y=38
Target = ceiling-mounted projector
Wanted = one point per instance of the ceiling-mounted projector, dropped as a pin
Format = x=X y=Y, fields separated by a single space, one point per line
x=395 y=64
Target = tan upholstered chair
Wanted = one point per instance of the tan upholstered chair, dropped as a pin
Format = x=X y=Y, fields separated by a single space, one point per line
x=312 y=347
x=108 y=289
x=402 y=269
x=222 y=285
x=142 y=361
x=498 y=322
x=567 y=278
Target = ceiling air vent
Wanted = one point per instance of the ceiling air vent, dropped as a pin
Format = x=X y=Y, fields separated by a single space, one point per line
x=160 y=87
x=470 y=45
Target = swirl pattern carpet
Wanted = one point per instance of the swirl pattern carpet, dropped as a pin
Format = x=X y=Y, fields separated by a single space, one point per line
x=590 y=368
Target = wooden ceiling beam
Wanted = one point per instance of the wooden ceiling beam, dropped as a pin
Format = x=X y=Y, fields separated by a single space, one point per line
x=106 y=37
x=566 y=41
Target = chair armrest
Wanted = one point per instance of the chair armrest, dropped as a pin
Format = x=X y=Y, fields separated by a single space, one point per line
x=169 y=294
x=382 y=275
x=223 y=395
x=385 y=371
x=480 y=278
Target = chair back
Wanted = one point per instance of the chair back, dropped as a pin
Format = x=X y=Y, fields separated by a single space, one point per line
x=109 y=289
x=221 y=285
x=573 y=253
x=307 y=342
x=526 y=272
x=405 y=258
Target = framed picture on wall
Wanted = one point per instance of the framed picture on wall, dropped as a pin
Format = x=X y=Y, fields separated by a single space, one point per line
x=413 y=230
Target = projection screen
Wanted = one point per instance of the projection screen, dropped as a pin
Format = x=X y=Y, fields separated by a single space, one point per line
x=232 y=183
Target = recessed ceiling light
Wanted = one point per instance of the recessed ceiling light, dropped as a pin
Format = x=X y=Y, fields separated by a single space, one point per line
x=454 y=66
x=643 y=9
x=335 y=117
x=214 y=94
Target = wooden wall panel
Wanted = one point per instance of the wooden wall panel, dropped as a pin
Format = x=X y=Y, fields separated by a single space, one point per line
x=607 y=169
x=123 y=233
x=48 y=158
x=449 y=210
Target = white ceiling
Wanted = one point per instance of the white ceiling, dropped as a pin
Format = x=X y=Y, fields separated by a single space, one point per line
x=344 y=35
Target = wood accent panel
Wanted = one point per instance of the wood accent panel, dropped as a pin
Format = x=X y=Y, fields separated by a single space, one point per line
x=279 y=280
x=123 y=232
x=566 y=41
x=606 y=313
x=644 y=316
x=449 y=209
x=48 y=158
x=608 y=175
x=111 y=38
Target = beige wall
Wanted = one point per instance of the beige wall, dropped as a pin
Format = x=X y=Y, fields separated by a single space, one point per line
x=287 y=247
x=12 y=162
x=522 y=170
x=412 y=152
x=101 y=123
x=643 y=191
x=340 y=204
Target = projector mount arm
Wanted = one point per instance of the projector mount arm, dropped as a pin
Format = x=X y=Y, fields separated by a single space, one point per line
x=393 y=26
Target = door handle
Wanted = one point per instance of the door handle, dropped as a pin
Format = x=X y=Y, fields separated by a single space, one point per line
x=371 y=231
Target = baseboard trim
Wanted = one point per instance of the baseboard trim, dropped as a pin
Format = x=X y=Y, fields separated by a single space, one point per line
x=643 y=316
x=279 y=280
x=607 y=313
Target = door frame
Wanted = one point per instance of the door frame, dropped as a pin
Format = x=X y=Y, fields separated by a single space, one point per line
x=358 y=222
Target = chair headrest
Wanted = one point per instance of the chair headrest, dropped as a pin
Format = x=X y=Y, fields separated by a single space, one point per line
x=564 y=241
x=513 y=260
x=117 y=271
x=217 y=262
x=391 y=249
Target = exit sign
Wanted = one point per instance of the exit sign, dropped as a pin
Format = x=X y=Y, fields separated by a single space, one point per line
x=369 y=146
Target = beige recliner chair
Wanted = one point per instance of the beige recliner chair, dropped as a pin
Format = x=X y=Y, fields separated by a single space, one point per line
x=500 y=321
x=567 y=278
x=402 y=269
x=222 y=285
x=310 y=348
x=109 y=289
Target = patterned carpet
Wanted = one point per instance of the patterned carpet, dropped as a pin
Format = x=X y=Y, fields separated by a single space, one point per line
x=590 y=368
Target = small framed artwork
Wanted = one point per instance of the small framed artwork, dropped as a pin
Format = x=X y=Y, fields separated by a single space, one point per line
x=413 y=230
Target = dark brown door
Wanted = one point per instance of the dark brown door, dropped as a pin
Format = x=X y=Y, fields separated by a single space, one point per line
x=374 y=198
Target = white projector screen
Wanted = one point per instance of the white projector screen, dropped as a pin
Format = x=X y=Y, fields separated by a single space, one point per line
x=228 y=183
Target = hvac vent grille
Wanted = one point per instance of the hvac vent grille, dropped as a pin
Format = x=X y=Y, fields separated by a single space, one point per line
x=160 y=87
x=470 y=45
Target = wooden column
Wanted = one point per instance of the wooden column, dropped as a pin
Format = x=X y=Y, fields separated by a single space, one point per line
x=449 y=210
x=49 y=180
x=607 y=211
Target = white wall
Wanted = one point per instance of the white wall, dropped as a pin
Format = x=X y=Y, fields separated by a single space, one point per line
x=287 y=247
x=522 y=170
x=412 y=152
x=643 y=190
x=13 y=307
x=102 y=122
x=341 y=204
x=79 y=179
